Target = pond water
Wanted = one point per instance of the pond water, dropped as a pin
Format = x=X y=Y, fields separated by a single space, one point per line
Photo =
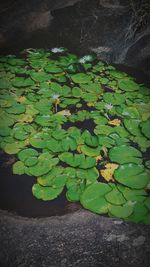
x=16 y=195
x=61 y=125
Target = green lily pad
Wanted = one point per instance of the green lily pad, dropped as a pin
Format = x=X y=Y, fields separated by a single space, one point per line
x=41 y=168
x=114 y=98
x=139 y=213
x=46 y=193
x=115 y=197
x=22 y=82
x=128 y=85
x=38 y=140
x=122 y=212
x=117 y=74
x=5 y=131
x=132 y=175
x=147 y=164
x=89 y=139
x=18 y=168
x=90 y=175
x=55 y=177
x=77 y=160
x=133 y=126
x=39 y=76
x=90 y=151
x=147 y=203
x=135 y=195
x=16 y=109
x=81 y=78
x=125 y=154
x=145 y=128
x=54 y=145
x=93 y=198
x=69 y=143
x=131 y=112
x=52 y=68
x=27 y=153
x=5 y=83
x=12 y=148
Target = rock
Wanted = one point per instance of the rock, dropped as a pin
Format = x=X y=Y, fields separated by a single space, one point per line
x=80 y=239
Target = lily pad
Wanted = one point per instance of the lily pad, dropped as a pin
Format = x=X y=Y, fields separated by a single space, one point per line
x=22 y=82
x=77 y=160
x=52 y=68
x=128 y=85
x=81 y=78
x=90 y=151
x=122 y=212
x=93 y=198
x=132 y=175
x=114 y=98
x=27 y=153
x=115 y=197
x=41 y=168
x=145 y=128
x=125 y=154
x=18 y=168
x=46 y=193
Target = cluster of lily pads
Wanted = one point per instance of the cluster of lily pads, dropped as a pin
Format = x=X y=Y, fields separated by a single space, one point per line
x=80 y=125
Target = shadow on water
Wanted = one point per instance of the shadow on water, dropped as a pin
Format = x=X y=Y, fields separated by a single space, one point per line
x=16 y=195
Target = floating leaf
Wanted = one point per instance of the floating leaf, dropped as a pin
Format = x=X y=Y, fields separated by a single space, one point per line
x=128 y=85
x=22 y=82
x=145 y=128
x=147 y=164
x=122 y=212
x=28 y=152
x=125 y=154
x=42 y=167
x=93 y=198
x=16 y=109
x=90 y=151
x=46 y=193
x=115 y=197
x=114 y=98
x=90 y=175
x=5 y=83
x=52 y=68
x=81 y=78
x=12 y=148
x=133 y=126
x=77 y=160
x=132 y=175
x=18 y=168
x=139 y=213
x=131 y=112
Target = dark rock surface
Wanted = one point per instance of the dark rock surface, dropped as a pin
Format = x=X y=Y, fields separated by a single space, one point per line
x=118 y=31
x=80 y=239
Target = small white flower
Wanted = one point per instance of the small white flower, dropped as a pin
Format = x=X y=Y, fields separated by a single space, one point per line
x=57 y=49
x=85 y=59
x=109 y=106
x=55 y=97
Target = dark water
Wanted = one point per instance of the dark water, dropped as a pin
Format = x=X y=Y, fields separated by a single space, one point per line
x=16 y=195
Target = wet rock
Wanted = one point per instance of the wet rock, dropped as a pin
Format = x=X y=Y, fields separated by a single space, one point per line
x=80 y=239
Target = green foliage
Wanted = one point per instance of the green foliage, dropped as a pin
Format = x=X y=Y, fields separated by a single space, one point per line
x=70 y=119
